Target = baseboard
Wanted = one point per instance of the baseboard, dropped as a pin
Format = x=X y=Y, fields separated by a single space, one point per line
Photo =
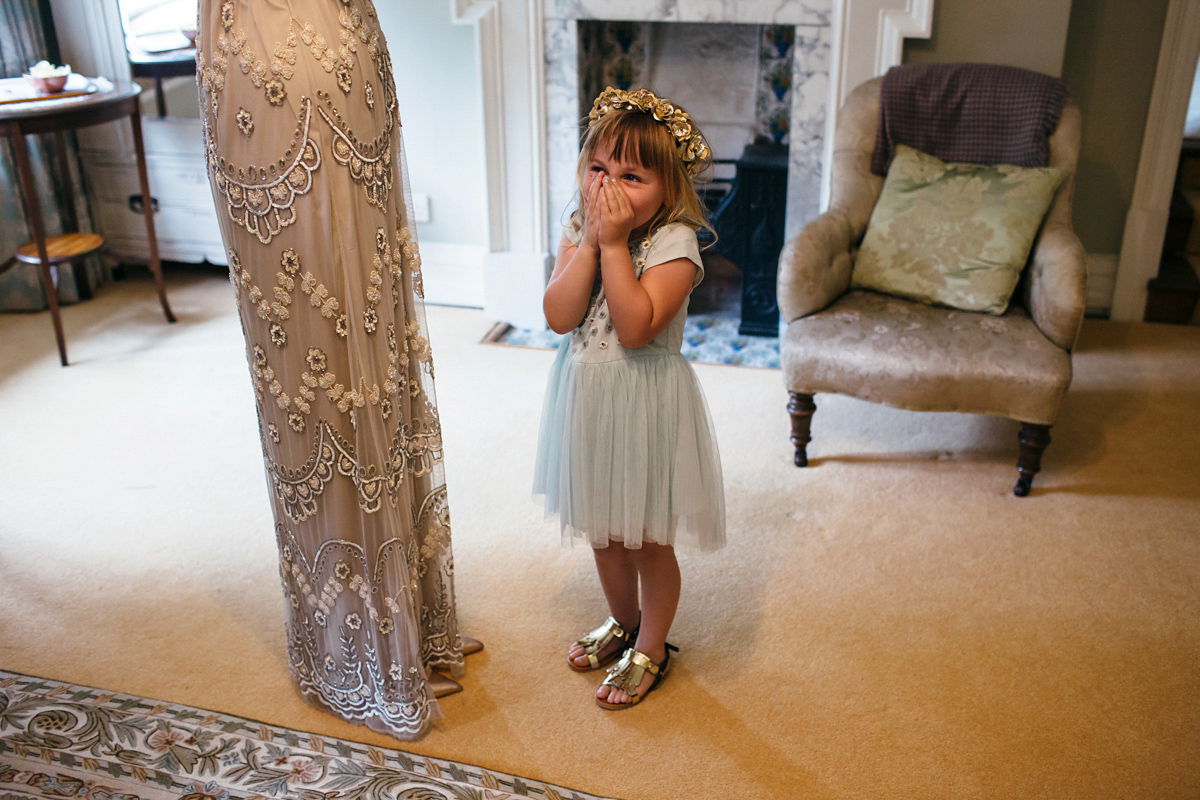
x=1102 y=279
x=453 y=273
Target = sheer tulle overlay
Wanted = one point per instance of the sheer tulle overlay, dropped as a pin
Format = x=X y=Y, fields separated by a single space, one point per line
x=306 y=161
x=627 y=452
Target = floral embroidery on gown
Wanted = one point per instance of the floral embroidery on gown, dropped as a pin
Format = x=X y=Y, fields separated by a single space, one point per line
x=307 y=169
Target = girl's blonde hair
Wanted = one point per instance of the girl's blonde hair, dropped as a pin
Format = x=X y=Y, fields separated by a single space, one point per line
x=634 y=135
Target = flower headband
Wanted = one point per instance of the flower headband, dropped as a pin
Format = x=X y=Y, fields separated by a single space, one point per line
x=689 y=142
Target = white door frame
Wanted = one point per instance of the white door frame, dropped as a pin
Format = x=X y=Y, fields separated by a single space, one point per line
x=1146 y=223
x=882 y=25
x=511 y=62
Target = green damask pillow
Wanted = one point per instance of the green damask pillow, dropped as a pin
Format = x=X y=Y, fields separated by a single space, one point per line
x=955 y=235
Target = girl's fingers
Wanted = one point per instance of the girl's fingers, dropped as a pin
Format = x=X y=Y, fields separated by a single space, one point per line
x=619 y=199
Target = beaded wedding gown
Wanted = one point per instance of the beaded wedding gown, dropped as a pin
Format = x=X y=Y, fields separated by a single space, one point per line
x=307 y=168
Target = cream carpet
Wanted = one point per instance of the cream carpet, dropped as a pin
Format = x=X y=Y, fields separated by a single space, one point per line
x=889 y=623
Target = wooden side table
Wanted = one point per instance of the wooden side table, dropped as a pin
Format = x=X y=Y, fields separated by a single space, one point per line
x=18 y=120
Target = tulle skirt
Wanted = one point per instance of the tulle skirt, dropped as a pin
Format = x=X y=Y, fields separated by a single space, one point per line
x=627 y=453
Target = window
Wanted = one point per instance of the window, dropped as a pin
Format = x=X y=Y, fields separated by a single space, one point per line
x=157 y=26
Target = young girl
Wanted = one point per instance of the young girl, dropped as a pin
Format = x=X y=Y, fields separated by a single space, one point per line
x=627 y=456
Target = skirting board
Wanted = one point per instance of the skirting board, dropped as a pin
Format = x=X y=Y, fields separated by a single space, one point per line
x=453 y=273
x=1102 y=277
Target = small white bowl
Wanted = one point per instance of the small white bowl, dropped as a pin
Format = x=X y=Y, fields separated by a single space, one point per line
x=49 y=85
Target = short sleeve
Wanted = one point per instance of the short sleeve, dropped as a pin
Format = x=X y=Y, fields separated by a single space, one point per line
x=573 y=232
x=673 y=241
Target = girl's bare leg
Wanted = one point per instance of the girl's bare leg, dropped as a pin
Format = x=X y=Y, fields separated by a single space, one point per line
x=659 y=573
x=619 y=579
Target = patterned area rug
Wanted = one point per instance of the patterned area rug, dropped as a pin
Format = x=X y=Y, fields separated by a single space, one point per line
x=60 y=740
x=707 y=339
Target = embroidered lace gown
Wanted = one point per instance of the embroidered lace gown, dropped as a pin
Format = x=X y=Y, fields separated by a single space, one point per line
x=306 y=164
x=626 y=451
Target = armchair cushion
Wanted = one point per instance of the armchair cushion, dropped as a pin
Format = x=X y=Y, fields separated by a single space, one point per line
x=914 y=356
x=956 y=235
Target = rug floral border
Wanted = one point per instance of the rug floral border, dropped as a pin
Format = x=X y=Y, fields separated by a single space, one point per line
x=63 y=740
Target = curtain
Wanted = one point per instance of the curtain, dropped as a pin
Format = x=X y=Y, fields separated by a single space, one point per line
x=26 y=37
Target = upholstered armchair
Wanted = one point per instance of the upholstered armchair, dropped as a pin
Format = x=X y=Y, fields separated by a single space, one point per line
x=922 y=357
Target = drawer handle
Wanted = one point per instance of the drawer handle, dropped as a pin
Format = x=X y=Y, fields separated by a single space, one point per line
x=136 y=206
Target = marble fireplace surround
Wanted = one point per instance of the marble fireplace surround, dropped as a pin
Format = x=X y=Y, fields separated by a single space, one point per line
x=528 y=64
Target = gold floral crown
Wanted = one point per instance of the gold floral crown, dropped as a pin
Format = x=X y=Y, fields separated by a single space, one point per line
x=689 y=142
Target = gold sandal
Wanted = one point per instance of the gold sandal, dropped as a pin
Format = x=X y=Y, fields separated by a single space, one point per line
x=597 y=640
x=627 y=676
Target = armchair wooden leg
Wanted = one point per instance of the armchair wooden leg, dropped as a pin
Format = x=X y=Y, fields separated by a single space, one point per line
x=802 y=408
x=1033 y=439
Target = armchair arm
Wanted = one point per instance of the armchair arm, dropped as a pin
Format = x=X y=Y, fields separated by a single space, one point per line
x=1056 y=291
x=814 y=267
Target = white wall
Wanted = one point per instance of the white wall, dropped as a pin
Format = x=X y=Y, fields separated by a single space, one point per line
x=1022 y=33
x=438 y=90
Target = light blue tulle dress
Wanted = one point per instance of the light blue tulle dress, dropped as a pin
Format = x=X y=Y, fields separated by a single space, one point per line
x=627 y=451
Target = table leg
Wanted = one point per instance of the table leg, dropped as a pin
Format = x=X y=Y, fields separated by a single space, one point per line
x=64 y=164
x=148 y=210
x=68 y=185
x=34 y=211
x=159 y=98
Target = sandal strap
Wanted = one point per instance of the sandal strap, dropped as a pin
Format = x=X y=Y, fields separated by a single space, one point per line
x=642 y=660
x=627 y=673
x=598 y=639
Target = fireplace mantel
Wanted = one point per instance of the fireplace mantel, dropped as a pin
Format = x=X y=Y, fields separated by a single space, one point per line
x=850 y=42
